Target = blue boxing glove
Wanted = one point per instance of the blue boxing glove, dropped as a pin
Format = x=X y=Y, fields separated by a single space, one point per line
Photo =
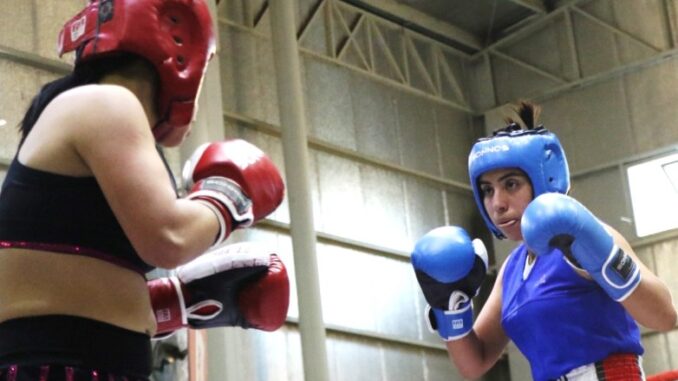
x=450 y=269
x=554 y=220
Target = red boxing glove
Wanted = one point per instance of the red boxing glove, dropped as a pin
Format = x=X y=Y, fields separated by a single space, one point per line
x=241 y=285
x=236 y=180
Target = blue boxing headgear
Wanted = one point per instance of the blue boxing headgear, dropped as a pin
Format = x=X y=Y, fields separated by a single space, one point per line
x=537 y=152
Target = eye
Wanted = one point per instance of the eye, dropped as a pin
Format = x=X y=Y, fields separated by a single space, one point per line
x=486 y=191
x=514 y=183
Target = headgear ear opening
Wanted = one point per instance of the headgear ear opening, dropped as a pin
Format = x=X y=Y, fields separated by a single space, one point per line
x=175 y=36
x=537 y=152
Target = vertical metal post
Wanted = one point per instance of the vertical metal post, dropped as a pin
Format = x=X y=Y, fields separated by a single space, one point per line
x=295 y=152
x=222 y=345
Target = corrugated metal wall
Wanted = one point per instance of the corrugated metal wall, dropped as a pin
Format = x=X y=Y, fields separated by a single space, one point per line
x=392 y=116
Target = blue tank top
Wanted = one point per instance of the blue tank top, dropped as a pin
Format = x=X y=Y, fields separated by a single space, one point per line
x=51 y=212
x=559 y=320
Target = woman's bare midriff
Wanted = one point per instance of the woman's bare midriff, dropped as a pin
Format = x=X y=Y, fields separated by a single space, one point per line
x=34 y=283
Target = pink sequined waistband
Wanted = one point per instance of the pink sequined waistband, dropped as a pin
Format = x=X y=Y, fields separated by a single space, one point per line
x=70 y=249
x=51 y=372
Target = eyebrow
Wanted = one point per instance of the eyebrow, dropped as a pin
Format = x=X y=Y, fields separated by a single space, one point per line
x=506 y=176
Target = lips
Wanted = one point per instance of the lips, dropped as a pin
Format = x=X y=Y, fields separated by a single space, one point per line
x=507 y=223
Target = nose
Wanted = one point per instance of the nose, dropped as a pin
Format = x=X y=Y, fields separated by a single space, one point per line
x=499 y=202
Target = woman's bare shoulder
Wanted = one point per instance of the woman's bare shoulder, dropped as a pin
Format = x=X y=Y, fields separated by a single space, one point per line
x=100 y=110
x=103 y=101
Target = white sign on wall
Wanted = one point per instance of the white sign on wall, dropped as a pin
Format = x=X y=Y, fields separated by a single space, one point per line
x=654 y=194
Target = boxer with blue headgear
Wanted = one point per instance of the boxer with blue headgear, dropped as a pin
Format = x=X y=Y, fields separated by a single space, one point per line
x=569 y=296
x=537 y=152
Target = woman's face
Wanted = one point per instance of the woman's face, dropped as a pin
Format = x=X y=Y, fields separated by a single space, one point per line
x=506 y=193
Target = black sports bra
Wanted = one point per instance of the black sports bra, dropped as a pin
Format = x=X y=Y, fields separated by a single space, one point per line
x=66 y=214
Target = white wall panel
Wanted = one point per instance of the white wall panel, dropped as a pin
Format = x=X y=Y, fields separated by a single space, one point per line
x=513 y=81
x=656 y=358
x=384 y=208
x=481 y=82
x=625 y=14
x=17 y=22
x=664 y=256
x=652 y=95
x=547 y=49
x=416 y=125
x=18 y=85
x=455 y=135
x=247 y=75
x=399 y=361
x=33 y=26
x=425 y=209
x=672 y=349
x=596 y=47
x=368 y=292
x=340 y=197
x=375 y=109
x=329 y=104
x=364 y=359
x=254 y=355
x=592 y=124
x=439 y=367
x=463 y=211
x=602 y=192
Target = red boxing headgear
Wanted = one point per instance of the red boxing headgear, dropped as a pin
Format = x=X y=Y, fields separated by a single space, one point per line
x=175 y=36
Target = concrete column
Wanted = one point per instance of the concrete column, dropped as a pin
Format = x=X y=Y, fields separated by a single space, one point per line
x=295 y=151
x=222 y=344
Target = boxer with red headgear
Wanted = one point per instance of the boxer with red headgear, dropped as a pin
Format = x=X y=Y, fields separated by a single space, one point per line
x=88 y=205
x=569 y=296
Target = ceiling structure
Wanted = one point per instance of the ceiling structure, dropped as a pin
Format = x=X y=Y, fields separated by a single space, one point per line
x=494 y=37
x=468 y=25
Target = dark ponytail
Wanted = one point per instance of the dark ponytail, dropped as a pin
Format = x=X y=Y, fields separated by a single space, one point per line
x=528 y=116
x=528 y=113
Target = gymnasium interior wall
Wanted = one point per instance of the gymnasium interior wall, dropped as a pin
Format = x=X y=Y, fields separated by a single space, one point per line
x=391 y=116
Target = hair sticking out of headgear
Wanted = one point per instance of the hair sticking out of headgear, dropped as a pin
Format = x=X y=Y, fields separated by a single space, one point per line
x=533 y=149
x=528 y=116
x=528 y=113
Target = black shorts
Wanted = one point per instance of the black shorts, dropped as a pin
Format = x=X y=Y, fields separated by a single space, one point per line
x=68 y=348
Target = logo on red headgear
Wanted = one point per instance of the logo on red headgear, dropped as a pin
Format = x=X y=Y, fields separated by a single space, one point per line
x=78 y=28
